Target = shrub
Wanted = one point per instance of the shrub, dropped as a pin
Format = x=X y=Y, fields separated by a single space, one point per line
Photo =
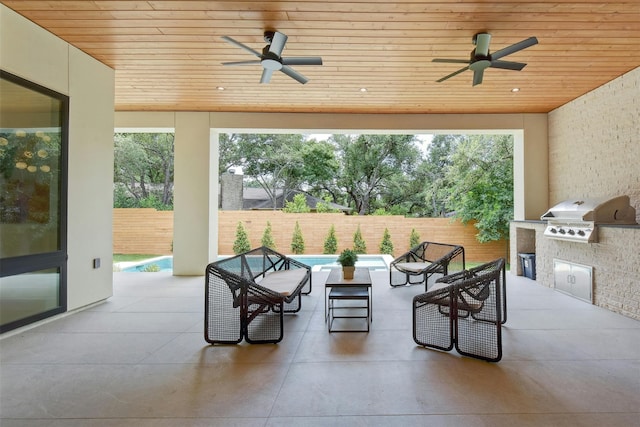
x=414 y=238
x=348 y=258
x=298 y=205
x=386 y=245
x=331 y=242
x=151 y=268
x=297 y=241
x=241 y=244
x=267 y=238
x=358 y=242
x=324 y=206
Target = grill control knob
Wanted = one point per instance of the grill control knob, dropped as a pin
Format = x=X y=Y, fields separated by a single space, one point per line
x=571 y=232
x=561 y=231
x=553 y=230
x=580 y=233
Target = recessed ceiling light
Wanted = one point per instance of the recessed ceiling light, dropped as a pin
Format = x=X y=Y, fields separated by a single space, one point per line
x=363 y=89
x=515 y=89
x=220 y=88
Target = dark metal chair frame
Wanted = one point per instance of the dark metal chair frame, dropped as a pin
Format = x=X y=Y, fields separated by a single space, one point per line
x=237 y=307
x=437 y=258
x=467 y=312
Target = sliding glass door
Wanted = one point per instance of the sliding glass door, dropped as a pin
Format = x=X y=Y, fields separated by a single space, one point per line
x=33 y=200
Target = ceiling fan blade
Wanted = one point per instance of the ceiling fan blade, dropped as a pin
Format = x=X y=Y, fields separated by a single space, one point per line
x=303 y=60
x=241 y=46
x=452 y=61
x=277 y=44
x=508 y=65
x=252 y=62
x=477 y=76
x=266 y=75
x=294 y=74
x=482 y=43
x=455 y=73
x=514 y=48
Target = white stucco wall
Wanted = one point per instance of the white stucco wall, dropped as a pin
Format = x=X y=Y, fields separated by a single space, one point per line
x=34 y=54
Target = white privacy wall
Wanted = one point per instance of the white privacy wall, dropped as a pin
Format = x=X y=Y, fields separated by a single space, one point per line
x=34 y=54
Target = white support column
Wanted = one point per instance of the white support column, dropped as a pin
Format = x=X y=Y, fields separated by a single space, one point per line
x=193 y=194
x=214 y=173
x=535 y=163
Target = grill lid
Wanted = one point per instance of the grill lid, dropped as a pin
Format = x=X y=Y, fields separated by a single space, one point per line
x=577 y=220
x=617 y=210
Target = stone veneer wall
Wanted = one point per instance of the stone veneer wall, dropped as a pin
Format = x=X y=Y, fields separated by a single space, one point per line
x=594 y=152
x=594 y=144
x=616 y=274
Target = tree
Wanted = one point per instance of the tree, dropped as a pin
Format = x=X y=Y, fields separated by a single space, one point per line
x=414 y=238
x=375 y=167
x=324 y=206
x=331 y=242
x=386 y=245
x=433 y=184
x=241 y=244
x=143 y=170
x=358 y=242
x=297 y=241
x=267 y=237
x=297 y=205
x=481 y=176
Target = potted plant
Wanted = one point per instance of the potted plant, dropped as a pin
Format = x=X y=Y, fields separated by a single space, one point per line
x=347 y=259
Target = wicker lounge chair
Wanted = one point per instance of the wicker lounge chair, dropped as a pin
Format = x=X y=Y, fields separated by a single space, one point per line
x=465 y=310
x=424 y=260
x=247 y=295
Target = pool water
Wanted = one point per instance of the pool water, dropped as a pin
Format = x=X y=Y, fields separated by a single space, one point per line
x=316 y=262
x=151 y=265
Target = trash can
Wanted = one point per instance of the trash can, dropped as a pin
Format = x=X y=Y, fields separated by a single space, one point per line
x=528 y=263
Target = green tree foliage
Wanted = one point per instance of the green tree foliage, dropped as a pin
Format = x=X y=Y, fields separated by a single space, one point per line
x=143 y=170
x=297 y=205
x=324 y=206
x=414 y=238
x=241 y=244
x=386 y=245
x=297 y=241
x=434 y=183
x=331 y=242
x=375 y=168
x=279 y=163
x=359 y=244
x=481 y=177
x=267 y=237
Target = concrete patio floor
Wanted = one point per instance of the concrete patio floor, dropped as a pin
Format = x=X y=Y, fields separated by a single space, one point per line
x=140 y=359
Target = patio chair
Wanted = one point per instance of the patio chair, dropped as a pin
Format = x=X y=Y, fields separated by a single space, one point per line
x=247 y=295
x=423 y=261
x=464 y=310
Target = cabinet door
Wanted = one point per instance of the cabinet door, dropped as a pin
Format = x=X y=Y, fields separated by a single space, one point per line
x=581 y=285
x=573 y=279
x=562 y=276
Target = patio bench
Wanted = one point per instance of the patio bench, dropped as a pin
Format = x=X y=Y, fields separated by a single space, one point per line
x=425 y=260
x=246 y=296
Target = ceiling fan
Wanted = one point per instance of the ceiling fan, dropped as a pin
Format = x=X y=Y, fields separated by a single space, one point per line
x=271 y=59
x=482 y=59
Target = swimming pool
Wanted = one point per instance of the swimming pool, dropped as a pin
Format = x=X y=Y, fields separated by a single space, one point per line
x=316 y=262
x=164 y=263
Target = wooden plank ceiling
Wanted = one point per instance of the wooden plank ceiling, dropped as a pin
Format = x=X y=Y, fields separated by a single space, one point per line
x=168 y=55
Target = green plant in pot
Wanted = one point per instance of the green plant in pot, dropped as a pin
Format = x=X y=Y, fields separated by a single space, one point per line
x=347 y=259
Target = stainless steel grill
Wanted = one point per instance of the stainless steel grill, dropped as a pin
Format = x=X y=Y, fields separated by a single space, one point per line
x=577 y=220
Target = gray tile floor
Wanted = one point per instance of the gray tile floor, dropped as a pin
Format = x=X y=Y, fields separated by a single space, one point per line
x=140 y=359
